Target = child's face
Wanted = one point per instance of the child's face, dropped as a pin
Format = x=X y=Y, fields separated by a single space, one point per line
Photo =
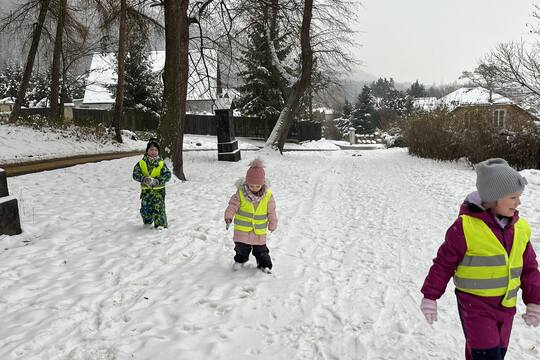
x=153 y=151
x=507 y=205
x=254 y=187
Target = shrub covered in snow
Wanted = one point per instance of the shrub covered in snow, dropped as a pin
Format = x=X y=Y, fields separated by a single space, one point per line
x=443 y=135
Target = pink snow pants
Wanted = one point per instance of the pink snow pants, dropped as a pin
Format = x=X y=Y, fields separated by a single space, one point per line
x=485 y=326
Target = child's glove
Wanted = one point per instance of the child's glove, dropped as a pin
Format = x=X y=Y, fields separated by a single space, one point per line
x=227 y=223
x=532 y=315
x=147 y=180
x=429 y=309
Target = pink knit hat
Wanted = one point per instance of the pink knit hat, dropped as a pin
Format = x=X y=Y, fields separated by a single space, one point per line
x=255 y=173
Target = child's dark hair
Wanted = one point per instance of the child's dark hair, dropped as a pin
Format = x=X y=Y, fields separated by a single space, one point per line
x=152 y=142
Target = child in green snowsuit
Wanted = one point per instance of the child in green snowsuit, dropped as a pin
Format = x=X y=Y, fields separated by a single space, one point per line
x=152 y=173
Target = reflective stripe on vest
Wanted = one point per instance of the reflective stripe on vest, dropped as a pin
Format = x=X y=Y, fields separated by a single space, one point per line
x=247 y=218
x=486 y=268
x=155 y=173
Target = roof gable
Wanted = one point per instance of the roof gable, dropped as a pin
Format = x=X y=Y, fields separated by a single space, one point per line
x=200 y=86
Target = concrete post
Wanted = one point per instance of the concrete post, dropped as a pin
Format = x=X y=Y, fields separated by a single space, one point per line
x=10 y=224
x=352 y=136
x=68 y=113
x=3 y=183
x=227 y=143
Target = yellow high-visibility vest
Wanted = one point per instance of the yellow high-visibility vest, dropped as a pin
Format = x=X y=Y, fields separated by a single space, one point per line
x=486 y=268
x=155 y=173
x=247 y=218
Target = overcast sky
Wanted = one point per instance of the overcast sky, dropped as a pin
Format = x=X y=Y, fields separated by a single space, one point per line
x=432 y=40
x=435 y=40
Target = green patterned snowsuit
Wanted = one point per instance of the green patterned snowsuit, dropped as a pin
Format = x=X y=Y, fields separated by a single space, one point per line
x=153 y=200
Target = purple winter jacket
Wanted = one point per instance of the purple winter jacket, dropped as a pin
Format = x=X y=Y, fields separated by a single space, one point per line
x=452 y=251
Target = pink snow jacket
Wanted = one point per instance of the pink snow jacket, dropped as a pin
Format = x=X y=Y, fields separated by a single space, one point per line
x=251 y=238
x=452 y=251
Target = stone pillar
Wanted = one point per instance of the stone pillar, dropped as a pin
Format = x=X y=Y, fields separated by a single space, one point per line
x=3 y=184
x=10 y=223
x=68 y=113
x=352 y=135
x=227 y=143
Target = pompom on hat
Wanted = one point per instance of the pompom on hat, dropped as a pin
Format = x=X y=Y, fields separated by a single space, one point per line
x=255 y=174
x=495 y=179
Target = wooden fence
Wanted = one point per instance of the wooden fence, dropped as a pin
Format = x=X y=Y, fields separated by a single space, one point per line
x=244 y=126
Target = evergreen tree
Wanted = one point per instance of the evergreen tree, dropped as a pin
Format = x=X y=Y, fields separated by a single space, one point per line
x=142 y=85
x=417 y=90
x=39 y=89
x=261 y=93
x=361 y=115
x=390 y=103
x=10 y=78
x=347 y=109
x=75 y=87
x=38 y=85
x=397 y=101
x=382 y=88
x=342 y=124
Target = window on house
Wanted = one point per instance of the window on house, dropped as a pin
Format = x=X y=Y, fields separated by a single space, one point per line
x=499 y=118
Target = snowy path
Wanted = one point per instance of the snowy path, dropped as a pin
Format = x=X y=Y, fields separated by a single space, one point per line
x=355 y=239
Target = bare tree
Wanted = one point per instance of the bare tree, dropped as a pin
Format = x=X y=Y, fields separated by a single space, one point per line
x=13 y=18
x=279 y=133
x=325 y=43
x=121 y=57
x=55 y=67
x=179 y=15
x=517 y=68
x=175 y=81
x=485 y=75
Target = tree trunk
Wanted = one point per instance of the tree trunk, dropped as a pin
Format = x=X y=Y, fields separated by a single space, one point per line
x=175 y=79
x=63 y=92
x=38 y=27
x=55 y=68
x=279 y=133
x=119 y=98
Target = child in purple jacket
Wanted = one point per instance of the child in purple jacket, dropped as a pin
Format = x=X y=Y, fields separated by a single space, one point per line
x=488 y=253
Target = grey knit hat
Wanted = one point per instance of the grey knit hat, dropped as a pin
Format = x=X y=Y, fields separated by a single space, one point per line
x=495 y=179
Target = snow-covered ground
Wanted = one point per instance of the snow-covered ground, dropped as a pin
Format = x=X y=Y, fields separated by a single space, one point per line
x=20 y=143
x=355 y=239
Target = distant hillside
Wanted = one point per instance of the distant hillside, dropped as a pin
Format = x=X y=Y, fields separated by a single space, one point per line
x=362 y=76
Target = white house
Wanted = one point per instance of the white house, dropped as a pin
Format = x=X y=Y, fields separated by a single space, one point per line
x=202 y=83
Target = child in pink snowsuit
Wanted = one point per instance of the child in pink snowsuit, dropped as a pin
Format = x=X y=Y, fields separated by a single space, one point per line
x=488 y=253
x=253 y=209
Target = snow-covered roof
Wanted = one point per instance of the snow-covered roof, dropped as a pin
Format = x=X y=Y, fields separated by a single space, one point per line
x=8 y=100
x=472 y=96
x=200 y=86
x=425 y=103
x=324 y=110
